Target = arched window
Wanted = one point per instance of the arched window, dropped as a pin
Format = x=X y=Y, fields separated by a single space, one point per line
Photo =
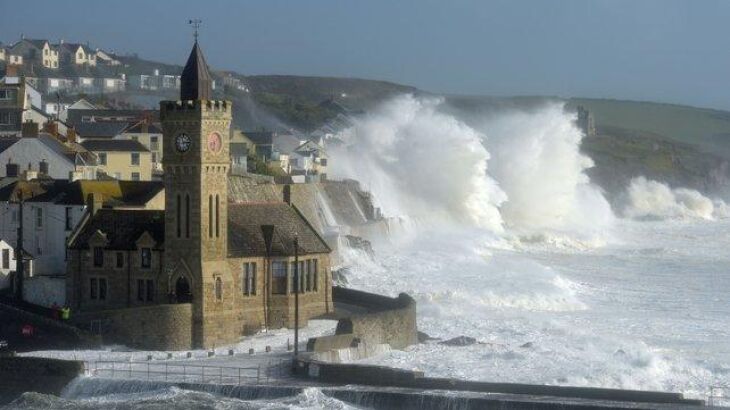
x=179 y=215
x=217 y=218
x=210 y=216
x=218 y=289
x=187 y=215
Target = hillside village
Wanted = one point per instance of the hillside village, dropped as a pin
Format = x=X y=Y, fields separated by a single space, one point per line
x=89 y=185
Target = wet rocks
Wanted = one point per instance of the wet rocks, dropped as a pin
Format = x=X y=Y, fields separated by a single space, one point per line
x=459 y=341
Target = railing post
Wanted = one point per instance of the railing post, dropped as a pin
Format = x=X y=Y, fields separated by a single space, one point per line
x=220 y=375
x=130 y=370
x=239 y=376
x=258 y=374
x=165 y=371
x=185 y=374
x=148 y=371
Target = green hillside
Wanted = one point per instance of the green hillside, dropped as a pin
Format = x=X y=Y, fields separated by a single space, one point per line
x=705 y=128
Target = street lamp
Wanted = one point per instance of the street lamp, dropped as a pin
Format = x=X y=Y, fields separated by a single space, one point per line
x=296 y=296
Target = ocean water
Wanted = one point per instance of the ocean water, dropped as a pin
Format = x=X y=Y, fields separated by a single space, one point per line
x=500 y=235
x=649 y=311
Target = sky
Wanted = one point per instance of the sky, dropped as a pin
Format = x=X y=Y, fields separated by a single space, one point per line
x=675 y=51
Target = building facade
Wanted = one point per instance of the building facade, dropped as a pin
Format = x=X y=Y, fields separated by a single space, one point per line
x=232 y=262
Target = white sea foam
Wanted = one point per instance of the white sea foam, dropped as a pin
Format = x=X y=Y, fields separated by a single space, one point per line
x=653 y=199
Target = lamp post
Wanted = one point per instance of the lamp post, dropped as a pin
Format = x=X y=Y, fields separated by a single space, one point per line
x=296 y=296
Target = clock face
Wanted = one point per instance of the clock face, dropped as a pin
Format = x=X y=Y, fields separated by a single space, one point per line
x=182 y=142
x=214 y=142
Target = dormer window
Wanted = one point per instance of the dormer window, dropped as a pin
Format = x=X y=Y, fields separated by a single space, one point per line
x=98 y=256
x=146 y=257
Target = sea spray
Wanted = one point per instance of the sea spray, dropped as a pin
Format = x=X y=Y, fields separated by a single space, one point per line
x=537 y=162
x=421 y=164
x=648 y=199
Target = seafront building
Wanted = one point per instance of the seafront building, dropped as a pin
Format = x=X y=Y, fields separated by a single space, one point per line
x=204 y=271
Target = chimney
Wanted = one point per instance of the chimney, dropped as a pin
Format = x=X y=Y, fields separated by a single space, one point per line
x=75 y=175
x=11 y=70
x=94 y=202
x=30 y=129
x=11 y=170
x=71 y=135
x=30 y=175
x=287 y=194
x=51 y=127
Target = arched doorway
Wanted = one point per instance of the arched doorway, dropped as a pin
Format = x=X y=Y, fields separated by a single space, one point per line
x=183 y=293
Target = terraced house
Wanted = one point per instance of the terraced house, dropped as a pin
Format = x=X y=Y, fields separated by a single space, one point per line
x=206 y=270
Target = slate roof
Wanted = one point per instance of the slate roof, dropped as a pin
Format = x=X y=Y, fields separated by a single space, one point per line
x=143 y=127
x=77 y=116
x=195 y=80
x=63 y=192
x=260 y=137
x=114 y=145
x=104 y=129
x=6 y=142
x=246 y=237
x=122 y=228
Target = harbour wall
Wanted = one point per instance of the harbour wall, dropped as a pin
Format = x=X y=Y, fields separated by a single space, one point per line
x=393 y=397
x=34 y=374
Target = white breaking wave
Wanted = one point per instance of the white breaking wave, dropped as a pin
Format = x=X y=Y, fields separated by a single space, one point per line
x=422 y=164
x=656 y=200
x=538 y=163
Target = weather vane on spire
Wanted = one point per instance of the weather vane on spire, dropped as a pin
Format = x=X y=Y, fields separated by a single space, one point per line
x=196 y=25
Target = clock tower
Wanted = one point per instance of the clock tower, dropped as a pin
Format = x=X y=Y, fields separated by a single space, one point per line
x=196 y=163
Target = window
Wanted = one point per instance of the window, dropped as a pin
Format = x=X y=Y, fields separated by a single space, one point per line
x=39 y=218
x=146 y=256
x=278 y=273
x=102 y=289
x=302 y=274
x=154 y=144
x=154 y=157
x=210 y=216
x=309 y=275
x=135 y=158
x=315 y=275
x=97 y=288
x=120 y=260
x=6 y=258
x=102 y=158
x=218 y=289
x=187 y=215
x=135 y=176
x=4 y=118
x=98 y=256
x=140 y=290
x=69 y=218
x=217 y=217
x=4 y=95
x=249 y=278
x=14 y=216
x=150 y=290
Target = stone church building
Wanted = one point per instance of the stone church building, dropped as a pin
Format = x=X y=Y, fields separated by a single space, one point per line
x=206 y=270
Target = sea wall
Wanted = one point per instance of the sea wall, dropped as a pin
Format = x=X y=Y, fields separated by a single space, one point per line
x=25 y=374
x=158 y=327
x=390 y=321
x=374 y=323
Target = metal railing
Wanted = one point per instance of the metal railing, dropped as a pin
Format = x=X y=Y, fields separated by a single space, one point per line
x=717 y=396
x=189 y=373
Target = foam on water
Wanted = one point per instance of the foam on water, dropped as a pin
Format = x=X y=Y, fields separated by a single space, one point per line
x=555 y=289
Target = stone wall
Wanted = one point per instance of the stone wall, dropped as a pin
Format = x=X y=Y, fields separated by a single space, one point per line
x=45 y=290
x=159 y=327
x=389 y=321
x=24 y=374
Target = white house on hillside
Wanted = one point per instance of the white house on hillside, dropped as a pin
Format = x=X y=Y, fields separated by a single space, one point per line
x=44 y=154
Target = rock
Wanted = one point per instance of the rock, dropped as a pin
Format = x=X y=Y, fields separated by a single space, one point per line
x=424 y=337
x=356 y=242
x=459 y=341
x=526 y=345
x=339 y=277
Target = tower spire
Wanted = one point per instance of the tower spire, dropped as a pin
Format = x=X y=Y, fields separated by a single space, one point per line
x=196 y=82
